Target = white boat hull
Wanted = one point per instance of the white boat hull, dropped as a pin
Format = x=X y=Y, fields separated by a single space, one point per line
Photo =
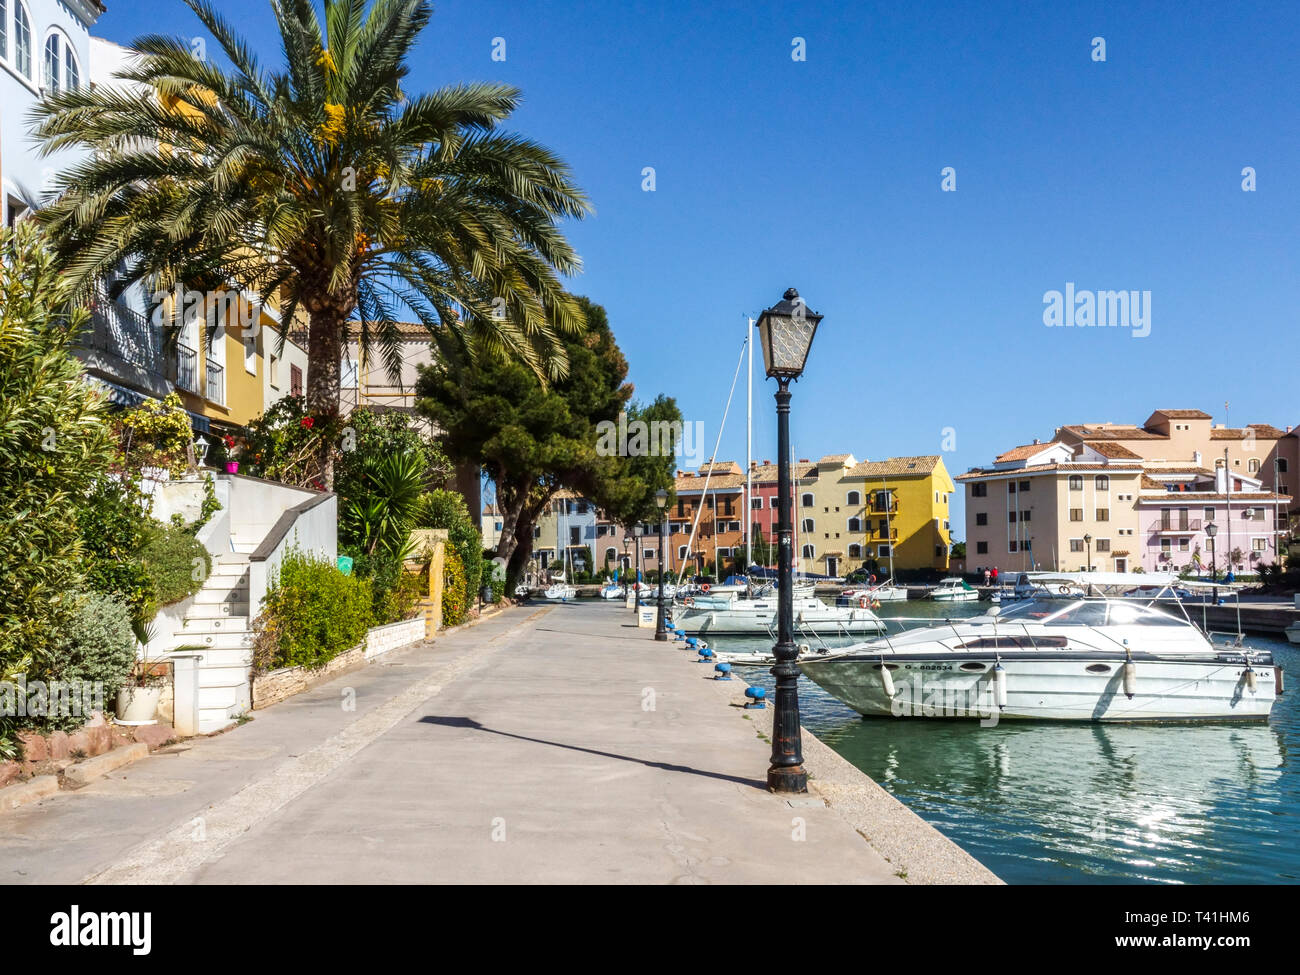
x=1048 y=689
x=826 y=620
x=1293 y=632
x=962 y=596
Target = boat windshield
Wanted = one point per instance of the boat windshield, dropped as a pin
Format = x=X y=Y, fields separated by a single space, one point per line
x=1087 y=612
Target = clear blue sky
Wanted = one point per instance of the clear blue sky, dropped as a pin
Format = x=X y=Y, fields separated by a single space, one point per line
x=825 y=175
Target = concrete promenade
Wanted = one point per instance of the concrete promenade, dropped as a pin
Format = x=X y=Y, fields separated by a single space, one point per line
x=551 y=744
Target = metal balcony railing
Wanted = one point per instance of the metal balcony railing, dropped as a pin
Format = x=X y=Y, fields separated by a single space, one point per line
x=1176 y=525
x=187 y=368
x=125 y=333
x=216 y=383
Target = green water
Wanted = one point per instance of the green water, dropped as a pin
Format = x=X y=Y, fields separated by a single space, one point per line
x=1087 y=803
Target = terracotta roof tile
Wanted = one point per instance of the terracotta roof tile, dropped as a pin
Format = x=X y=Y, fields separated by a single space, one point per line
x=1185 y=414
x=1113 y=450
x=895 y=467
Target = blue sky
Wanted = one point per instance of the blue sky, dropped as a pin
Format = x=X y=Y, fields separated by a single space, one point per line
x=826 y=175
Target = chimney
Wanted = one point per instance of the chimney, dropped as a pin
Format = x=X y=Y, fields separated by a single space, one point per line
x=1035 y=441
x=767 y=463
x=804 y=460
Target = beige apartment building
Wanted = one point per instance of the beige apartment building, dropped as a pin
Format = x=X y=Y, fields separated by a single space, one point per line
x=1116 y=497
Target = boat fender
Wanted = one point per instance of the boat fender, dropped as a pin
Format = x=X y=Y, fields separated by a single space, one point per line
x=875 y=604
x=872 y=580
x=863 y=602
x=1000 y=684
x=688 y=601
x=1130 y=673
x=1252 y=683
x=1279 y=685
x=1064 y=589
x=704 y=588
x=886 y=679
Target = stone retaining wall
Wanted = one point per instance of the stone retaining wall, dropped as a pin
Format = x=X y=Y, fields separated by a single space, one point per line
x=276 y=685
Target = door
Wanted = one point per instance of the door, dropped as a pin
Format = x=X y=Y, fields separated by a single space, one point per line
x=832 y=565
x=1121 y=565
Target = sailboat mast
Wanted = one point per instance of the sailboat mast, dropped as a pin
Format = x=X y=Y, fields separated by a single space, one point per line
x=749 y=449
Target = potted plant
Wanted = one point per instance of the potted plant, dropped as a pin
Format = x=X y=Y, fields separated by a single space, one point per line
x=138 y=697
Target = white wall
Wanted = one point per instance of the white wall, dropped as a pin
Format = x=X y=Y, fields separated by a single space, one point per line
x=26 y=176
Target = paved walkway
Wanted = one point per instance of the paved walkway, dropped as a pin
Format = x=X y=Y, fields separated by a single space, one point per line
x=550 y=744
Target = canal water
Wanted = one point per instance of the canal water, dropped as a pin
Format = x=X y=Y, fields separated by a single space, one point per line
x=1086 y=803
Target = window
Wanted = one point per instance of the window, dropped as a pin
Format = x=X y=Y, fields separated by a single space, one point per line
x=1076 y=545
x=808 y=552
x=1076 y=482
x=611 y=554
x=855 y=551
x=1257 y=544
x=1024 y=486
x=22 y=40
x=647 y=555
x=61 y=71
x=724 y=552
x=1076 y=514
x=980 y=490
x=855 y=525
x=884 y=551
x=1024 y=516
x=940 y=551
x=755 y=503
x=1011 y=545
x=1103 y=545
x=1166 y=545
x=884 y=527
x=681 y=553
x=808 y=526
x=1209 y=514
x=1102 y=482
x=274 y=370
x=681 y=508
x=250 y=356
x=1184 y=545
x=1252 y=465
x=1011 y=487
x=1281 y=465
x=981 y=518
x=1103 y=514
x=981 y=548
x=1011 y=517
x=806 y=500
x=884 y=500
x=853 y=499
x=295 y=381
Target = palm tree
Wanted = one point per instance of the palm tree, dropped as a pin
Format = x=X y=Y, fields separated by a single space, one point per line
x=323 y=185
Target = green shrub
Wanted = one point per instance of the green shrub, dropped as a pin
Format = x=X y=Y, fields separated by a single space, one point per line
x=455 y=601
x=394 y=591
x=446 y=509
x=95 y=644
x=114 y=530
x=176 y=564
x=312 y=613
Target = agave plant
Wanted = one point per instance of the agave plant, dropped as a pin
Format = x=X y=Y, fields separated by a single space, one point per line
x=323 y=184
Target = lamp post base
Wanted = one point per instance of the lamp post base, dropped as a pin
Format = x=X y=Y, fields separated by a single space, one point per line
x=787 y=780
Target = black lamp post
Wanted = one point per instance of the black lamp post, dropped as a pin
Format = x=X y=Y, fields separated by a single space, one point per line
x=661 y=631
x=627 y=561
x=1087 y=540
x=786 y=331
x=636 y=594
x=1211 y=529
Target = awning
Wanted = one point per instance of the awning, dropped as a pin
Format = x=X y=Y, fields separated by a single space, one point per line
x=128 y=399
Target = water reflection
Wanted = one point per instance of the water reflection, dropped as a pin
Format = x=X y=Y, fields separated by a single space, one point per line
x=1080 y=803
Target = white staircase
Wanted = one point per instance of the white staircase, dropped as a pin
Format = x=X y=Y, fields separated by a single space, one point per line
x=218 y=623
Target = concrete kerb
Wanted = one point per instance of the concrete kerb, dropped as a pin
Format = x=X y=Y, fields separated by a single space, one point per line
x=921 y=854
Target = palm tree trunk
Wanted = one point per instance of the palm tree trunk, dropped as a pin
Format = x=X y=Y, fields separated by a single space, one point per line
x=327 y=325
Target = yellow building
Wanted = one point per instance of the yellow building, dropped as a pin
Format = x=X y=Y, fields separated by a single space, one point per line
x=853 y=513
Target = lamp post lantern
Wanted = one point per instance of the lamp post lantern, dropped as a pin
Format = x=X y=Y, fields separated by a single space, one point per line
x=1211 y=529
x=1087 y=540
x=661 y=501
x=786 y=331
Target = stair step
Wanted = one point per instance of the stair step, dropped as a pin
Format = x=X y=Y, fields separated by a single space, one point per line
x=220 y=657
x=216 y=641
x=192 y=626
x=220 y=591
x=221 y=678
x=222 y=610
x=223 y=696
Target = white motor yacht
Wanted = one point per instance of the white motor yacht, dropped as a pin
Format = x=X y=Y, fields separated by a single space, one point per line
x=1076 y=660
x=954 y=590
x=561 y=592
x=758 y=616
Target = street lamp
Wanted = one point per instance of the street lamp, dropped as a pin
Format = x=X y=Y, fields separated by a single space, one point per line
x=1087 y=540
x=786 y=331
x=627 y=561
x=636 y=540
x=661 y=501
x=1211 y=529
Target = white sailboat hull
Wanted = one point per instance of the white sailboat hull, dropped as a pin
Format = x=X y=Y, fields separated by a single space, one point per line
x=1063 y=689
x=759 y=617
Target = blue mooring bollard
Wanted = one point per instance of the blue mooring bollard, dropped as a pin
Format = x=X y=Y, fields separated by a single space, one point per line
x=706 y=656
x=723 y=672
x=757 y=698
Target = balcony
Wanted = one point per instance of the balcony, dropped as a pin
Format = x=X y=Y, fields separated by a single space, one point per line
x=216 y=383
x=122 y=345
x=1176 y=526
x=187 y=368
